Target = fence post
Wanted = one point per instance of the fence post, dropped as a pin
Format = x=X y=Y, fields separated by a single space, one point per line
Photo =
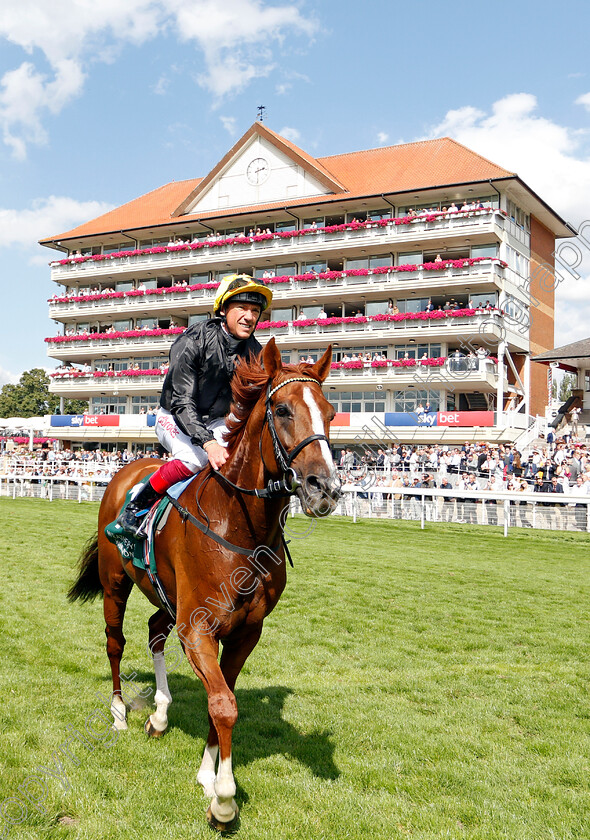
x=354 y=506
x=422 y=512
x=506 y=516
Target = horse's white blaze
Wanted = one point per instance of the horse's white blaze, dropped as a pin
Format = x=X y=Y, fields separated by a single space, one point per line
x=162 y=697
x=317 y=424
x=206 y=774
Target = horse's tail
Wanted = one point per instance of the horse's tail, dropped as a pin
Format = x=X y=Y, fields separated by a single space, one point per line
x=87 y=585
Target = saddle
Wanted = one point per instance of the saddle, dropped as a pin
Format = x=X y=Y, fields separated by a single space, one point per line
x=141 y=551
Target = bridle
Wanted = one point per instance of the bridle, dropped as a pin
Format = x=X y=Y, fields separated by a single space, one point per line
x=285 y=486
x=288 y=484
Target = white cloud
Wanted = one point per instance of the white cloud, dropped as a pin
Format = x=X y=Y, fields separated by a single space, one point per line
x=584 y=100
x=235 y=38
x=382 y=137
x=552 y=160
x=45 y=217
x=282 y=89
x=229 y=123
x=291 y=134
x=161 y=86
x=547 y=156
x=6 y=377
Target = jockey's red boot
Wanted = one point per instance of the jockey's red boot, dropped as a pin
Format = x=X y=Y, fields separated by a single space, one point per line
x=131 y=520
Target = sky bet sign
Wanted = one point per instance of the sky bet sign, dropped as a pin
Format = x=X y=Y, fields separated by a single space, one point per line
x=390 y=418
x=440 y=418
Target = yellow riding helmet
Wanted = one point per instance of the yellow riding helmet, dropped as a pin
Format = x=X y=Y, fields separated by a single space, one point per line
x=242 y=287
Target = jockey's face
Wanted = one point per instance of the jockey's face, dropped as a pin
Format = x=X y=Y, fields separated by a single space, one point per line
x=241 y=318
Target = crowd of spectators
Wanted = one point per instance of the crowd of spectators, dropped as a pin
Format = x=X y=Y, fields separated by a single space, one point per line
x=46 y=463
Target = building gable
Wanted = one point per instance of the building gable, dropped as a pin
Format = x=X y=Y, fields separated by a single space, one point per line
x=262 y=168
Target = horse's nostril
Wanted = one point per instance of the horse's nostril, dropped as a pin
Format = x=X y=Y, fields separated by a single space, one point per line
x=313 y=484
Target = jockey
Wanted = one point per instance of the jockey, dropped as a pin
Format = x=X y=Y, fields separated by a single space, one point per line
x=196 y=394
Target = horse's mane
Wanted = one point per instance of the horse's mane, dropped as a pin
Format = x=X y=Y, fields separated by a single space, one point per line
x=248 y=382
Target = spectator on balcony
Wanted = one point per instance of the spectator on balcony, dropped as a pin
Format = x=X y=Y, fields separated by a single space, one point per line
x=322 y=314
x=453 y=208
x=429 y=306
x=302 y=316
x=466 y=206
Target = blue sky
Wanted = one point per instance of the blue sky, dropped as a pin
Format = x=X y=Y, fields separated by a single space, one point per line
x=102 y=101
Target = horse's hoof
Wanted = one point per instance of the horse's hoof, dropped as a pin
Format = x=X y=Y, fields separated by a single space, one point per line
x=151 y=730
x=222 y=826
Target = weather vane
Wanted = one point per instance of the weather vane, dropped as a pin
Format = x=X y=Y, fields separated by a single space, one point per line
x=260 y=114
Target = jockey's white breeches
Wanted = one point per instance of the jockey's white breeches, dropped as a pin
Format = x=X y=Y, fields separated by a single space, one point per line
x=180 y=446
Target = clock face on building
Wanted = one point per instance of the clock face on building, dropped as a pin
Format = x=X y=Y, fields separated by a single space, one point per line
x=258 y=171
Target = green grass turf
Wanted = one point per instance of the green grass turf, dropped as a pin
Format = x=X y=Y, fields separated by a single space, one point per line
x=410 y=684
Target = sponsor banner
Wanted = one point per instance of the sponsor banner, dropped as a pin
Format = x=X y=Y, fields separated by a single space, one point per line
x=465 y=418
x=76 y=420
x=151 y=420
x=101 y=420
x=341 y=420
x=410 y=418
x=57 y=420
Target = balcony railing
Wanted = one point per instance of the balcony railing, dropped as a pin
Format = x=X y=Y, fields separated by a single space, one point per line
x=307 y=326
x=156 y=299
x=438 y=369
x=410 y=227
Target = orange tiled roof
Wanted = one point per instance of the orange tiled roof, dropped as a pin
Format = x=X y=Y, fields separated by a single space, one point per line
x=390 y=169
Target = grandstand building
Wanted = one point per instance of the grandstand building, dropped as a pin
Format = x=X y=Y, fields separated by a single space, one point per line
x=427 y=267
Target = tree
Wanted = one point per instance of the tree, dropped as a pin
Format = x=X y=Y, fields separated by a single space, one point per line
x=30 y=397
x=567 y=384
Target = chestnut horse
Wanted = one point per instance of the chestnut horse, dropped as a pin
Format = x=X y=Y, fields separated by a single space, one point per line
x=278 y=431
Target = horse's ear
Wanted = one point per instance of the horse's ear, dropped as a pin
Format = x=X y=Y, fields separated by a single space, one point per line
x=321 y=369
x=271 y=359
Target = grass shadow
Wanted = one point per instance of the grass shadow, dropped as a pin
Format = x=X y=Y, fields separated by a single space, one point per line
x=261 y=730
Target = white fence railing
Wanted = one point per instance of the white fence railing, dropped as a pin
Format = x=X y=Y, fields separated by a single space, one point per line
x=554 y=511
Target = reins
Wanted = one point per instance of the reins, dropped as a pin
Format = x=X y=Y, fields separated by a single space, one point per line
x=284 y=487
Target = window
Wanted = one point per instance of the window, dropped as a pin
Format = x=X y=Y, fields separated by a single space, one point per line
x=413 y=305
x=410 y=258
x=141 y=405
x=409 y=399
x=286 y=269
x=356 y=264
x=122 y=325
x=124 y=286
x=484 y=250
x=108 y=405
x=381 y=213
x=314 y=223
x=416 y=351
x=587 y=380
x=376 y=307
x=283 y=314
x=198 y=278
x=357 y=401
x=484 y=299
x=195 y=319
x=147 y=323
x=285 y=226
x=381 y=259
x=316 y=265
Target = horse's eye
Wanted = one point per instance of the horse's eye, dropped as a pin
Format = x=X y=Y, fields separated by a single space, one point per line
x=282 y=411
